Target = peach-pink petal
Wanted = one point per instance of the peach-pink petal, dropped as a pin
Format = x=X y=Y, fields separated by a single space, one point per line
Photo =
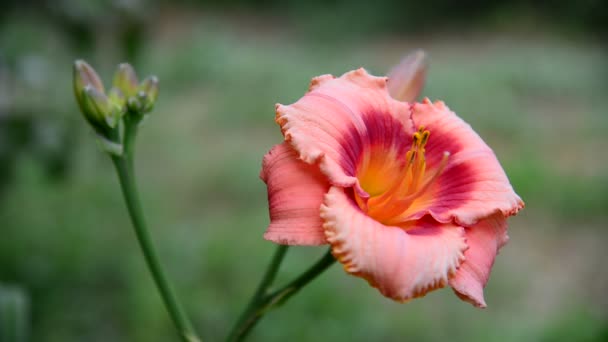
x=327 y=125
x=295 y=194
x=484 y=240
x=401 y=264
x=473 y=185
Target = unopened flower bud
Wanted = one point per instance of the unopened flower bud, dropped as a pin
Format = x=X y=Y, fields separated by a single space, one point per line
x=125 y=79
x=102 y=111
x=96 y=106
x=150 y=87
x=406 y=80
x=148 y=90
x=118 y=99
x=85 y=76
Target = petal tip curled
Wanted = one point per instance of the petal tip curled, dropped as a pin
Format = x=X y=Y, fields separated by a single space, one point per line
x=476 y=300
x=484 y=240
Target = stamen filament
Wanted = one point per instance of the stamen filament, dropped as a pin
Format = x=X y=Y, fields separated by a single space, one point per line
x=404 y=203
x=416 y=152
x=390 y=206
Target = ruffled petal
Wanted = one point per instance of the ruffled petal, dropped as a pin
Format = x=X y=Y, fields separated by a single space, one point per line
x=329 y=125
x=484 y=240
x=402 y=264
x=295 y=194
x=473 y=185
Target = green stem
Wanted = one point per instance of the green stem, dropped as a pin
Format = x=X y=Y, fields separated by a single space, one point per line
x=248 y=317
x=280 y=296
x=263 y=302
x=124 y=170
x=131 y=121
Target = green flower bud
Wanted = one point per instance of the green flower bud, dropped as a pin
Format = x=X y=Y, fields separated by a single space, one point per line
x=85 y=76
x=95 y=106
x=147 y=93
x=118 y=99
x=125 y=79
x=104 y=111
x=150 y=87
x=101 y=111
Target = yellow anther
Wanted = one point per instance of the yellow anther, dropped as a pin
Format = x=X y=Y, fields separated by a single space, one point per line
x=425 y=138
x=416 y=139
x=420 y=138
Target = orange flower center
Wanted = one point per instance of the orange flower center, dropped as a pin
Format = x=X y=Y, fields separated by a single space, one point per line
x=394 y=184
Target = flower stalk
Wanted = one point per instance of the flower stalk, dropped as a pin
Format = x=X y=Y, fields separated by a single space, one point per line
x=124 y=170
x=265 y=300
x=115 y=117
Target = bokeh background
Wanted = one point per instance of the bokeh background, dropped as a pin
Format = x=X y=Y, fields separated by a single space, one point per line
x=531 y=79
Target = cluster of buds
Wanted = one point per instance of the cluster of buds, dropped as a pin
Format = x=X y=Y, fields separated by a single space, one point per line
x=126 y=102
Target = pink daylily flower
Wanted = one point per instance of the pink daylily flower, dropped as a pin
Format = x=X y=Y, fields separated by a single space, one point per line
x=409 y=197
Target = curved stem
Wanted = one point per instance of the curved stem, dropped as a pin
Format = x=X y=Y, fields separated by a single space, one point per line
x=263 y=302
x=280 y=296
x=248 y=318
x=126 y=177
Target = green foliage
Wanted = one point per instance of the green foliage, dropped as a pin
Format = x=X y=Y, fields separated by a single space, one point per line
x=577 y=325
x=13 y=314
x=382 y=16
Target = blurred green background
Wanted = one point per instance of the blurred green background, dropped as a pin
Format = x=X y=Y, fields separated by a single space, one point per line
x=531 y=79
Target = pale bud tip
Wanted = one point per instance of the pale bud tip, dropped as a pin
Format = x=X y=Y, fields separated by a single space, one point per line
x=407 y=79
